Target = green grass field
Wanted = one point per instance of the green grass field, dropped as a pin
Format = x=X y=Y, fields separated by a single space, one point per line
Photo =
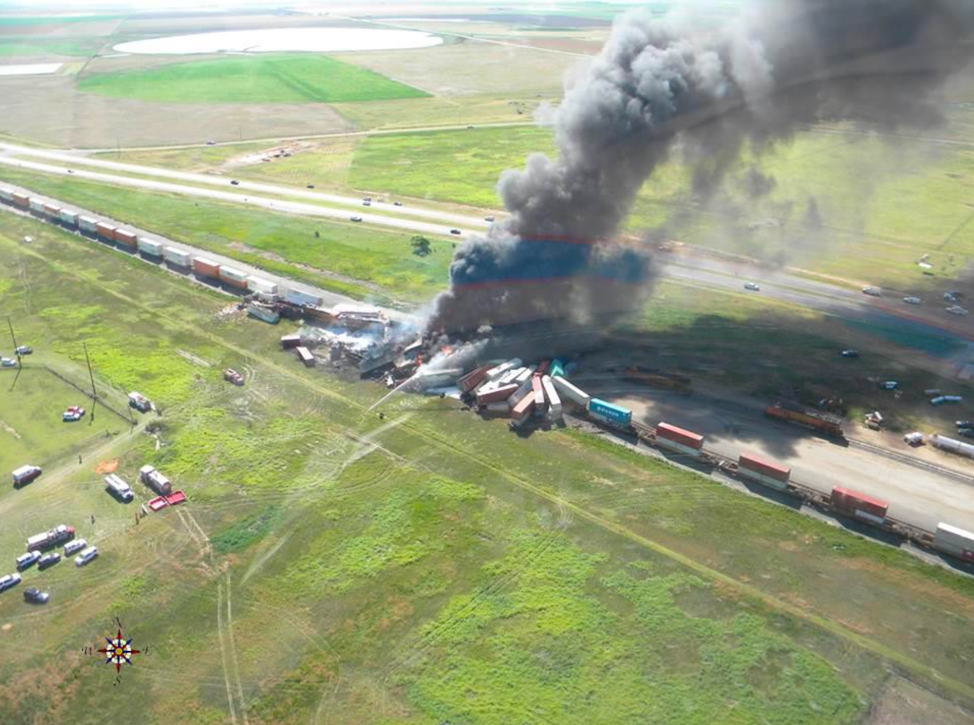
x=80 y=47
x=296 y=78
x=457 y=574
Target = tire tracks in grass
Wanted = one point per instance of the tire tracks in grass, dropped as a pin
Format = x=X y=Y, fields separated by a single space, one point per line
x=429 y=437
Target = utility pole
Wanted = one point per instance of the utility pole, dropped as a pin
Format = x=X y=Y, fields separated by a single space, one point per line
x=91 y=376
x=20 y=363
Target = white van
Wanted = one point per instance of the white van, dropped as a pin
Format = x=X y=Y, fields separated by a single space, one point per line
x=85 y=556
x=72 y=547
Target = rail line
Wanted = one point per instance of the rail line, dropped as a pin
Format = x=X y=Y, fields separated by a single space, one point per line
x=911 y=461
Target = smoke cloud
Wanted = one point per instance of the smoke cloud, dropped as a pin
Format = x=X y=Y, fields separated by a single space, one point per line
x=656 y=84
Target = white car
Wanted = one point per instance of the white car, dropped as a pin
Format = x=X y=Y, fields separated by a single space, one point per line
x=74 y=546
x=11 y=580
x=912 y=300
x=8 y=362
x=956 y=310
x=752 y=286
x=85 y=556
x=488 y=219
x=872 y=291
x=356 y=218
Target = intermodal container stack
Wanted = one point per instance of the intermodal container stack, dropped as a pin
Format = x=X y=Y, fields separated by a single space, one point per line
x=204 y=267
x=21 y=200
x=262 y=287
x=571 y=394
x=954 y=541
x=87 y=225
x=126 y=238
x=773 y=475
x=68 y=217
x=150 y=247
x=678 y=440
x=177 y=257
x=233 y=277
x=105 y=231
x=614 y=415
x=859 y=505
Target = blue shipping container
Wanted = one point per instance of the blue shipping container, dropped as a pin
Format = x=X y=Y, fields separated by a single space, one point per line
x=612 y=414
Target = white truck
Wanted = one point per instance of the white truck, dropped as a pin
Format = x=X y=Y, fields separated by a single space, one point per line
x=155 y=480
x=118 y=488
x=51 y=538
x=25 y=474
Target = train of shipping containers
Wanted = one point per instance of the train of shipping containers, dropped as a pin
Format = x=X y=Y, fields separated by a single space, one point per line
x=126 y=238
x=105 y=231
x=571 y=393
x=679 y=440
x=52 y=211
x=263 y=288
x=177 y=257
x=88 y=225
x=149 y=247
x=7 y=195
x=814 y=419
x=554 y=400
x=36 y=206
x=522 y=410
x=614 y=415
x=859 y=505
x=21 y=200
x=68 y=217
x=205 y=267
x=773 y=475
x=233 y=277
x=495 y=394
x=954 y=541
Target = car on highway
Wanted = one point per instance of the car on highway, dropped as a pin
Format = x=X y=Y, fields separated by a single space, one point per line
x=48 y=560
x=33 y=595
x=25 y=561
x=752 y=286
x=872 y=291
x=397 y=203
x=234 y=182
x=356 y=218
x=85 y=556
x=211 y=142
x=956 y=310
x=11 y=580
x=912 y=300
x=454 y=231
x=311 y=186
x=488 y=218
x=366 y=203
x=850 y=353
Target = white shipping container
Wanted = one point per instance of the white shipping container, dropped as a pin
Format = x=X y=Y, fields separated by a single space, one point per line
x=6 y=195
x=261 y=286
x=570 y=393
x=177 y=256
x=496 y=372
x=526 y=374
x=554 y=400
x=36 y=205
x=675 y=447
x=232 y=273
x=88 y=224
x=761 y=478
x=296 y=297
x=149 y=246
x=510 y=376
x=953 y=536
x=119 y=487
x=69 y=217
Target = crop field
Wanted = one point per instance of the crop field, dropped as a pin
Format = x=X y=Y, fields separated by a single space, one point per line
x=426 y=568
x=264 y=79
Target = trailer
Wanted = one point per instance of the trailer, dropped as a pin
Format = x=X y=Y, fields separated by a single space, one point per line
x=773 y=475
x=305 y=356
x=571 y=394
x=233 y=277
x=807 y=417
x=21 y=200
x=263 y=288
x=155 y=480
x=609 y=413
x=177 y=257
x=25 y=474
x=954 y=541
x=68 y=217
x=105 y=231
x=126 y=238
x=205 y=267
x=118 y=488
x=858 y=505
x=149 y=247
x=88 y=225
x=679 y=440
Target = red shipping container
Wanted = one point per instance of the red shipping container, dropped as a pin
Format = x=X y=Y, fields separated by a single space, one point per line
x=524 y=408
x=206 y=267
x=843 y=498
x=772 y=470
x=52 y=210
x=538 y=390
x=21 y=200
x=472 y=379
x=123 y=236
x=678 y=435
x=497 y=394
x=543 y=368
x=105 y=231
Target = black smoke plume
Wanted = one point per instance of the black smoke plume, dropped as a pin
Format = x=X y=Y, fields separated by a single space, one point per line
x=788 y=64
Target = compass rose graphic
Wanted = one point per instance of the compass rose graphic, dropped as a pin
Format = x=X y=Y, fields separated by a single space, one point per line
x=119 y=651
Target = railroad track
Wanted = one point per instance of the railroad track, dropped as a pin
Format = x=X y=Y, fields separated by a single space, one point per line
x=912 y=461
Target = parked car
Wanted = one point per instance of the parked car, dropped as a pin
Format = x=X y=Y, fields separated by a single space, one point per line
x=752 y=286
x=73 y=414
x=488 y=218
x=397 y=203
x=311 y=186
x=454 y=231
x=85 y=556
x=24 y=350
x=8 y=362
x=850 y=353
x=232 y=376
x=956 y=310
x=75 y=546
x=27 y=560
x=366 y=203
x=356 y=218
x=914 y=439
x=872 y=291
x=48 y=560
x=33 y=595
x=912 y=300
x=11 y=580
x=964 y=423
x=234 y=182
x=211 y=142
x=966 y=432
x=889 y=385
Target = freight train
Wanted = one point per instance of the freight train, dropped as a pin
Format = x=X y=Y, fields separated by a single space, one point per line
x=202 y=267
